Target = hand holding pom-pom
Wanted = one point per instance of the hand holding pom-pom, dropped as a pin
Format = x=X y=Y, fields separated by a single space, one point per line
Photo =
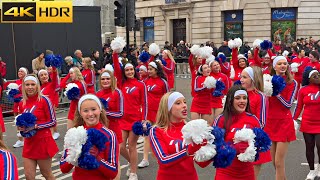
x=26 y=123
x=196 y=131
x=144 y=57
x=278 y=84
x=210 y=82
x=141 y=128
x=256 y=43
x=195 y=50
x=72 y=91
x=117 y=44
x=237 y=42
x=265 y=45
x=231 y=44
x=219 y=88
x=262 y=140
x=224 y=157
x=245 y=136
x=205 y=52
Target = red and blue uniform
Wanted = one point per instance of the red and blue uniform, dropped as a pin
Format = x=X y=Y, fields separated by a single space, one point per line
x=169 y=70
x=170 y=151
x=314 y=65
x=55 y=100
x=259 y=62
x=41 y=145
x=193 y=72
x=156 y=88
x=309 y=101
x=302 y=65
x=280 y=127
x=115 y=109
x=216 y=102
x=49 y=88
x=8 y=166
x=89 y=77
x=74 y=103
x=237 y=170
x=235 y=63
x=16 y=104
x=202 y=97
x=108 y=160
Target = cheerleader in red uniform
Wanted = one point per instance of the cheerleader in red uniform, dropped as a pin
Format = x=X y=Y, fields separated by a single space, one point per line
x=22 y=73
x=40 y=148
x=48 y=88
x=302 y=61
x=216 y=102
x=88 y=74
x=265 y=62
x=2 y=126
x=194 y=63
x=90 y=114
x=280 y=127
x=199 y=105
x=252 y=81
x=314 y=60
x=8 y=162
x=224 y=65
x=169 y=68
x=167 y=142
x=239 y=62
x=143 y=73
x=309 y=101
x=250 y=57
x=157 y=86
x=234 y=117
x=74 y=76
x=135 y=109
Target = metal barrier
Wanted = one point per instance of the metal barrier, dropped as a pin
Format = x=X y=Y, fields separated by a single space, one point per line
x=6 y=104
x=182 y=70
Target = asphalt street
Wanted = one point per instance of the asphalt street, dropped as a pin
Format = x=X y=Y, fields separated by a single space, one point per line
x=296 y=164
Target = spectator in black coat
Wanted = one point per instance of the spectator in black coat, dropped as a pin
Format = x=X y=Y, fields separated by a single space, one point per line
x=225 y=49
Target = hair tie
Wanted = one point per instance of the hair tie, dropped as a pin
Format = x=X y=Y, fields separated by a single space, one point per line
x=30 y=78
x=278 y=58
x=91 y=97
x=240 y=92
x=172 y=98
x=249 y=70
x=311 y=72
x=153 y=64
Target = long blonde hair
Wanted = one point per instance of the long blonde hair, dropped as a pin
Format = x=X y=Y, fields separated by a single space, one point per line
x=289 y=77
x=79 y=76
x=113 y=84
x=169 y=55
x=163 y=117
x=24 y=94
x=258 y=78
x=88 y=61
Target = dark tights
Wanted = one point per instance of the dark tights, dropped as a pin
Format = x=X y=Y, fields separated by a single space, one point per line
x=311 y=140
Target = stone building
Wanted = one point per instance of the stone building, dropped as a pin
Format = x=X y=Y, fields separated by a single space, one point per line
x=198 y=21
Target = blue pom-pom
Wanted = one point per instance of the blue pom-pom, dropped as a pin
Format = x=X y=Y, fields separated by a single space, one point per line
x=219 y=135
x=308 y=68
x=144 y=57
x=104 y=103
x=270 y=45
x=138 y=130
x=222 y=57
x=95 y=138
x=224 y=157
x=262 y=140
x=56 y=61
x=278 y=84
x=73 y=93
x=17 y=99
x=13 y=92
x=265 y=45
x=238 y=82
x=219 y=88
x=27 y=120
x=47 y=60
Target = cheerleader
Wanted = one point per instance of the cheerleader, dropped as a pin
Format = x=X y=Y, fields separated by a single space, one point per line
x=302 y=62
x=90 y=114
x=143 y=73
x=235 y=116
x=22 y=73
x=88 y=74
x=280 y=127
x=135 y=105
x=239 y=62
x=250 y=57
x=314 y=60
x=41 y=147
x=216 y=101
x=167 y=142
x=157 y=86
x=8 y=162
x=309 y=101
x=74 y=76
x=199 y=107
x=169 y=68
x=194 y=63
x=252 y=81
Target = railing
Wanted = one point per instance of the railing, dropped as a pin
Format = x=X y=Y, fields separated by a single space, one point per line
x=182 y=70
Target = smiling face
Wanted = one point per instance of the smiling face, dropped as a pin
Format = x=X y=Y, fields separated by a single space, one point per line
x=90 y=112
x=246 y=81
x=105 y=82
x=206 y=70
x=281 y=67
x=240 y=103
x=44 y=77
x=164 y=55
x=266 y=60
x=129 y=72
x=21 y=74
x=179 y=109
x=30 y=88
x=315 y=79
x=215 y=67
x=199 y=60
x=242 y=63
x=73 y=75
x=152 y=71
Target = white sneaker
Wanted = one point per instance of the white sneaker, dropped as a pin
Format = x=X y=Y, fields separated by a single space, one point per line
x=312 y=174
x=133 y=176
x=128 y=172
x=56 y=135
x=143 y=164
x=140 y=140
x=18 y=144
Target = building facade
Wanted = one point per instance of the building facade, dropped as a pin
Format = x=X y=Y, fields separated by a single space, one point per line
x=198 y=21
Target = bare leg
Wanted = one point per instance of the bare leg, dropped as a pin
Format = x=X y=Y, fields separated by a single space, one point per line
x=45 y=168
x=123 y=149
x=30 y=168
x=133 y=151
x=194 y=115
x=281 y=152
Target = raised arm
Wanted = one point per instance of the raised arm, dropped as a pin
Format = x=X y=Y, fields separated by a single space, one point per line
x=235 y=61
x=257 y=59
x=117 y=69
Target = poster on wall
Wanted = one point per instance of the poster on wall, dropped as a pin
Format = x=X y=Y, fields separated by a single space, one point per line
x=233 y=24
x=283 y=25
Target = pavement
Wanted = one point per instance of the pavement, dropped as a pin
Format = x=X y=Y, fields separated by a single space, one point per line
x=296 y=164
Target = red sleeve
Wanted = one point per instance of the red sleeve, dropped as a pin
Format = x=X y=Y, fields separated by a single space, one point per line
x=119 y=113
x=49 y=113
x=257 y=59
x=151 y=58
x=144 y=101
x=20 y=107
x=226 y=82
x=54 y=80
x=83 y=87
x=170 y=67
x=235 y=61
x=90 y=78
x=300 y=104
x=4 y=69
x=8 y=164
x=117 y=69
x=165 y=85
x=65 y=167
x=63 y=82
x=160 y=149
x=261 y=109
x=287 y=98
x=191 y=63
x=270 y=53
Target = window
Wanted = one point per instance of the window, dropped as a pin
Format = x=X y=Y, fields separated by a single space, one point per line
x=283 y=24
x=233 y=24
x=148 y=29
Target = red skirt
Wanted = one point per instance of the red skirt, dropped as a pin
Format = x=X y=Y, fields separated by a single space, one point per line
x=55 y=99
x=39 y=147
x=264 y=157
x=151 y=116
x=236 y=171
x=72 y=109
x=115 y=127
x=127 y=121
x=15 y=107
x=200 y=108
x=216 y=102
x=280 y=130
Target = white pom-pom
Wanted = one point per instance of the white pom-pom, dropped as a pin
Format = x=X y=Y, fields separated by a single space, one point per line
x=267 y=85
x=247 y=135
x=196 y=131
x=237 y=42
x=70 y=86
x=294 y=67
x=256 y=43
x=13 y=86
x=117 y=44
x=205 y=52
x=285 y=53
x=205 y=153
x=109 y=68
x=154 y=49
x=74 y=139
x=93 y=63
x=210 y=59
x=296 y=125
x=195 y=50
x=231 y=44
x=210 y=82
x=232 y=72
